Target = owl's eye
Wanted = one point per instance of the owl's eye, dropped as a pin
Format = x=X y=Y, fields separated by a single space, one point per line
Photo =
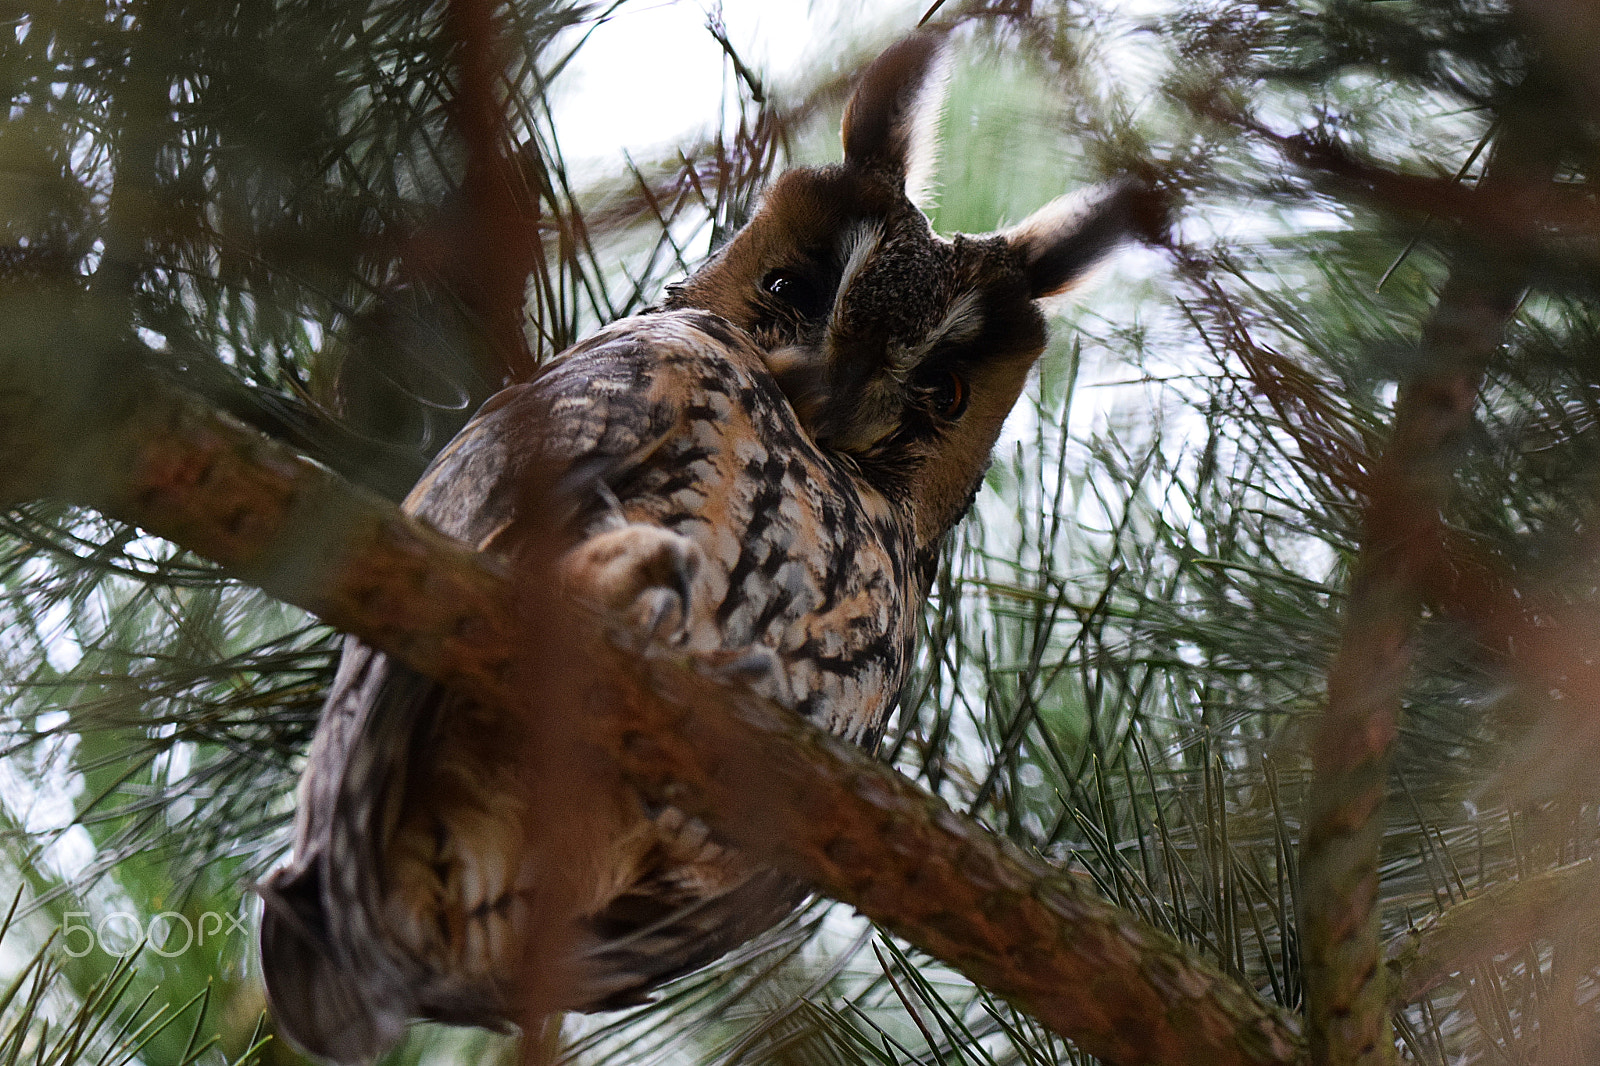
x=950 y=395
x=795 y=290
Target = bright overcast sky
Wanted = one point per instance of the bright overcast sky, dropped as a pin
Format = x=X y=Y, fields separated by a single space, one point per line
x=652 y=73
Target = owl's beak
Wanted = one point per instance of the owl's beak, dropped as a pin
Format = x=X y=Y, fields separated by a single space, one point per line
x=861 y=404
x=803 y=378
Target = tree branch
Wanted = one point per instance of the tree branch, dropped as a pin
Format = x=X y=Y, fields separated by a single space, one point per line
x=787 y=792
x=500 y=243
x=1347 y=1003
x=155 y=456
x=1501 y=919
x=822 y=810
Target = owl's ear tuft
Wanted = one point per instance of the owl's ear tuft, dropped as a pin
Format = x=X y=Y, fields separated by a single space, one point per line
x=1064 y=239
x=891 y=124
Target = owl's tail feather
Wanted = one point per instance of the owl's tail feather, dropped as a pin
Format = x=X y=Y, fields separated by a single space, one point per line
x=316 y=1002
x=640 y=944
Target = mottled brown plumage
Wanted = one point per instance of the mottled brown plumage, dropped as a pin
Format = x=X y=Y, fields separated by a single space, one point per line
x=766 y=467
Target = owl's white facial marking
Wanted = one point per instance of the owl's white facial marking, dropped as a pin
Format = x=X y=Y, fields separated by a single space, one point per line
x=856 y=247
x=961 y=323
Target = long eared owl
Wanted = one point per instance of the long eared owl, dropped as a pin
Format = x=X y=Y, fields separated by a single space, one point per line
x=766 y=464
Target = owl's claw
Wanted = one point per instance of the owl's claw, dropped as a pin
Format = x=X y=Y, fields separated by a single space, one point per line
x=757 y=669
x=751 y=664
x=640 y=578
x=658 y=616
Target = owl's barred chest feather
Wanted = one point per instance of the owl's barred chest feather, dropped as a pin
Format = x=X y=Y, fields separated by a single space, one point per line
x=671 y=420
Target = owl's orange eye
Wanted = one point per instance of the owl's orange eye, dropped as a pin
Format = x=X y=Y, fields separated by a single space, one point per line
x=795 y=290
x=950 y=395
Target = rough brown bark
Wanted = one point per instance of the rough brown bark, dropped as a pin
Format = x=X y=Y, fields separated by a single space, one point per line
x=822 y=810
x=168 y=464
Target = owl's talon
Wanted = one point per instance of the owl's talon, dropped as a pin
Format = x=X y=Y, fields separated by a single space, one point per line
x=755 y=669
x=661 y=616
x=640 y=577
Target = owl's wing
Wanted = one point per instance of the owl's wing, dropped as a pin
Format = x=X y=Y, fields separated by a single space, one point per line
x=651 y=934
x=577 y=432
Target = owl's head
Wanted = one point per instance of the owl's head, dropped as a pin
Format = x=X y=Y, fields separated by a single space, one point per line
x=901 y=351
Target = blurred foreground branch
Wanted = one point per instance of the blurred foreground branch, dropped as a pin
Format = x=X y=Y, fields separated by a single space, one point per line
x=1347 y=1002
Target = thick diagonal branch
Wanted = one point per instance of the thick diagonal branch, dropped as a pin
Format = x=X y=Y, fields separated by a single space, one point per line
x=787 y=792
x=93 y=428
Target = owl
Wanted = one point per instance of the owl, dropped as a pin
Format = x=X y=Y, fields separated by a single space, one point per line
x=763 y=467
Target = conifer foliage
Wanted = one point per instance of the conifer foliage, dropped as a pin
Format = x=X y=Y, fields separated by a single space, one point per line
x=1268 y=658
